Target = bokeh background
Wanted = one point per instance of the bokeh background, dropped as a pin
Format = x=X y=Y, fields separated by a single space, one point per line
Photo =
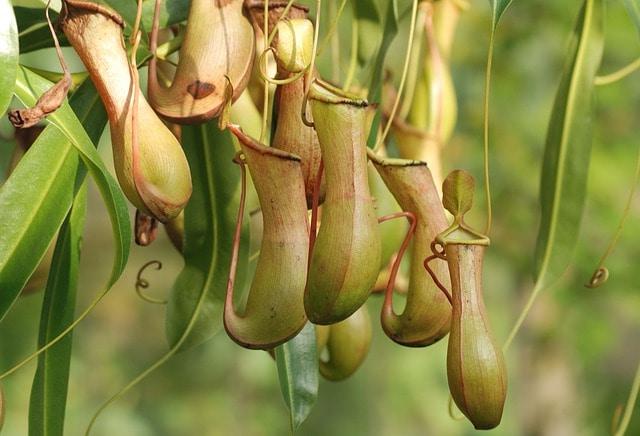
x=569 y=368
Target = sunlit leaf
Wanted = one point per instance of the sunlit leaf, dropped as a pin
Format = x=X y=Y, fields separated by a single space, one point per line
x=8 y=53
x=568 y=148
x=34 y=31
x=38 y=195
x=209 y=223
x=29 y=86
x=49 y=390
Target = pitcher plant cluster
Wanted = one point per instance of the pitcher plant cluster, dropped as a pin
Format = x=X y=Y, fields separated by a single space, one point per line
x=292 y=192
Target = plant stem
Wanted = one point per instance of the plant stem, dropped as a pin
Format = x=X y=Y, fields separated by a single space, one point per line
x=631 y=401
x=596 y=280
x=353 y=56
x=618 y=75
x=523 y=315
x=314 y=52
x=414 y=69
x=265 y=96
x=403 y=78
x=487 y=92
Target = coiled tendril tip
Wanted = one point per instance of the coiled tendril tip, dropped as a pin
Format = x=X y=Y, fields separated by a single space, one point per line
x=142 y=283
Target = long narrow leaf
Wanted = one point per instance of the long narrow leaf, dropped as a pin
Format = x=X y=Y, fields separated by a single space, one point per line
x=370 y=25
x=49 y=390
x=171 y=11
x=633 y=8
x=28 y=87
x=38 y=195
x=8 y=53
x=389 y=32
x=568 y=148
x=497 y=9
x=375 y=84
x=209 y=222
x=297 y=362
x=34 y=31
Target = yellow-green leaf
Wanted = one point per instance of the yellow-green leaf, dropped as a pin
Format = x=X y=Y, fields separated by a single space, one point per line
x=567 y=153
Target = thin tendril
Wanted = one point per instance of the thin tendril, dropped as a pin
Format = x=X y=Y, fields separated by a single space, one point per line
x=315 y=47
x=601 y=273
x=332 y=29
x=265 y=94
x=334 y=40
x=516 y=327
x=600 y=276
x=437 y=88
x=314 y=209
x=136 y=24
x=615 y=419
x=235 y=249
x=135 y=91
x=142 y=283
x=173 y=350
x=405 y=71
x=275 y=28
x=57 y=339
x=388 y=298
x=631 y=401
x=263 y=70
x=353 y=56
x=435 y=278
x=618 y=75
x=487 y=91
x=101 y=295
x=414 y=69
x=56 y=43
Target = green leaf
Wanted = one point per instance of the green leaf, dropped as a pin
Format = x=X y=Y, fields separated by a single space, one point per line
x=33 y=29
x=369 y=24
x=49 y=390
x=36 y=198
x=29 y=86
x=568 y=148
x=125 y=8
x=633 y=8
x=389 y=32
x=209 y=224
x=375 y=84
x=8 y=53
x=297 y=362
x=171 y=11
x=497 y=8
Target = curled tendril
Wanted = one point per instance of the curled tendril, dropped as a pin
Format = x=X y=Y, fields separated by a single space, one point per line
x=262 y=63
x=142 y=283
x=599 y=277
x=437 y=254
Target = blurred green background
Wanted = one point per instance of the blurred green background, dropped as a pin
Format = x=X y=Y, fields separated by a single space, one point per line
x=569 y=368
